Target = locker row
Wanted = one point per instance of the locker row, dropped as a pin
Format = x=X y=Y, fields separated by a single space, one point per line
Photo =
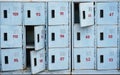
x=100 y=13
x=58 y=36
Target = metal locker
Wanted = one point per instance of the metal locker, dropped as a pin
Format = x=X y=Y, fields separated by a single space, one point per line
x=11 y=13
x=106 y=36
x=107 y=13
x=58 y=59
x=37 y=61
x=34 y=13
x=11 y=36
x=86 y=14
x=58 y=13
x=58 y=36
x=11 y=59
x=83 y=58
x=83 y=37
x=106 y=58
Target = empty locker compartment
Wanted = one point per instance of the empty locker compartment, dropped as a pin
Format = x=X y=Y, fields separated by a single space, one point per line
x=10 y=57
x=58 y=13
x=11 y=13
x=83 y=37
x=106 y=36
x=58 y=58
x=35 y=48
x=34 y=13
x=107 y=58
x=106 y=13
x=58 y=36
x=83 y=58
x=11 y=36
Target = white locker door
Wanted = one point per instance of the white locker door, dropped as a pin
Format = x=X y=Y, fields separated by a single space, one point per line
x=37 y=61
x=34 y=13
x=86 y=14
x=39 y=37
x=107 y=58
x=107 y=13
x=11 y=13
x=58 y=13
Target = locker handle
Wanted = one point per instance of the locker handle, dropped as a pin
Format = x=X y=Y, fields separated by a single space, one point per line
x=53 y=59
x=38 y=38
x=53 y=13
x=5 y=37
x=101 y=36
x=6 y=60
x=28 y=13
x=83 y=14
x=78 y=36
x=78 y=59
x=101 y=13
x=53 y=37
x=35 y=62
x=5 y=14
x=101 y=59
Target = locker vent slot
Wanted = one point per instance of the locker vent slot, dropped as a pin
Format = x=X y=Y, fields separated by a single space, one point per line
x=6 y=60
x=5 y=36
x=101 y=36
x=53 y=13
x=101 y=13
x=78 y=59
x=83 y=14
x=28 y=14
x=101 y=59
x=35 y=62
x=38 y=38
x=53 y=59
x=53 y=37
x=5 y=14
x=78 y=36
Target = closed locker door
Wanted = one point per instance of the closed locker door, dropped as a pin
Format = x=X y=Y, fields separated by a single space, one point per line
x=34 y=13
x=37 y=61
x=58 y=59
x=39 y=37
x=106 y=58
x=86 y=14
x=11 y=13
x=107 y=13
x=83 y=58
x=11 y=59
x=58 y=36
x=11 y=36
x=58 y=13
x=106 y=36
x=83 y=36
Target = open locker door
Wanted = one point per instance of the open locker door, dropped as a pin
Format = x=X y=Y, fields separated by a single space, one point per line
x=39 y=34
x=37 y=61
x=86 y=14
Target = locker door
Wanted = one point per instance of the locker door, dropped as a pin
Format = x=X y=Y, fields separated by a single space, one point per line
x=86 y=14
x=37 y=61
x=39 y=34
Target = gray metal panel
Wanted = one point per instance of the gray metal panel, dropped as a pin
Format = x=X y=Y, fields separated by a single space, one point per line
x=11 y=59
x=58 y=59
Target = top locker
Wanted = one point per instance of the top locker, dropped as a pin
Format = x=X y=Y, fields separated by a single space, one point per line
x=58 y=13
x=107 y=13
x=11 y=13
x=34 y=13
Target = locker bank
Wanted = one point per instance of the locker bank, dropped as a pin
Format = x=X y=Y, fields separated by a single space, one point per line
x=60 y=37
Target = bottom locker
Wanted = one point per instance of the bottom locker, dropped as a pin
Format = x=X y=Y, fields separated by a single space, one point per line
x=83 y=58
x=106 y=58
x=11 y=59
x=58 y=59
x=37 y=61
